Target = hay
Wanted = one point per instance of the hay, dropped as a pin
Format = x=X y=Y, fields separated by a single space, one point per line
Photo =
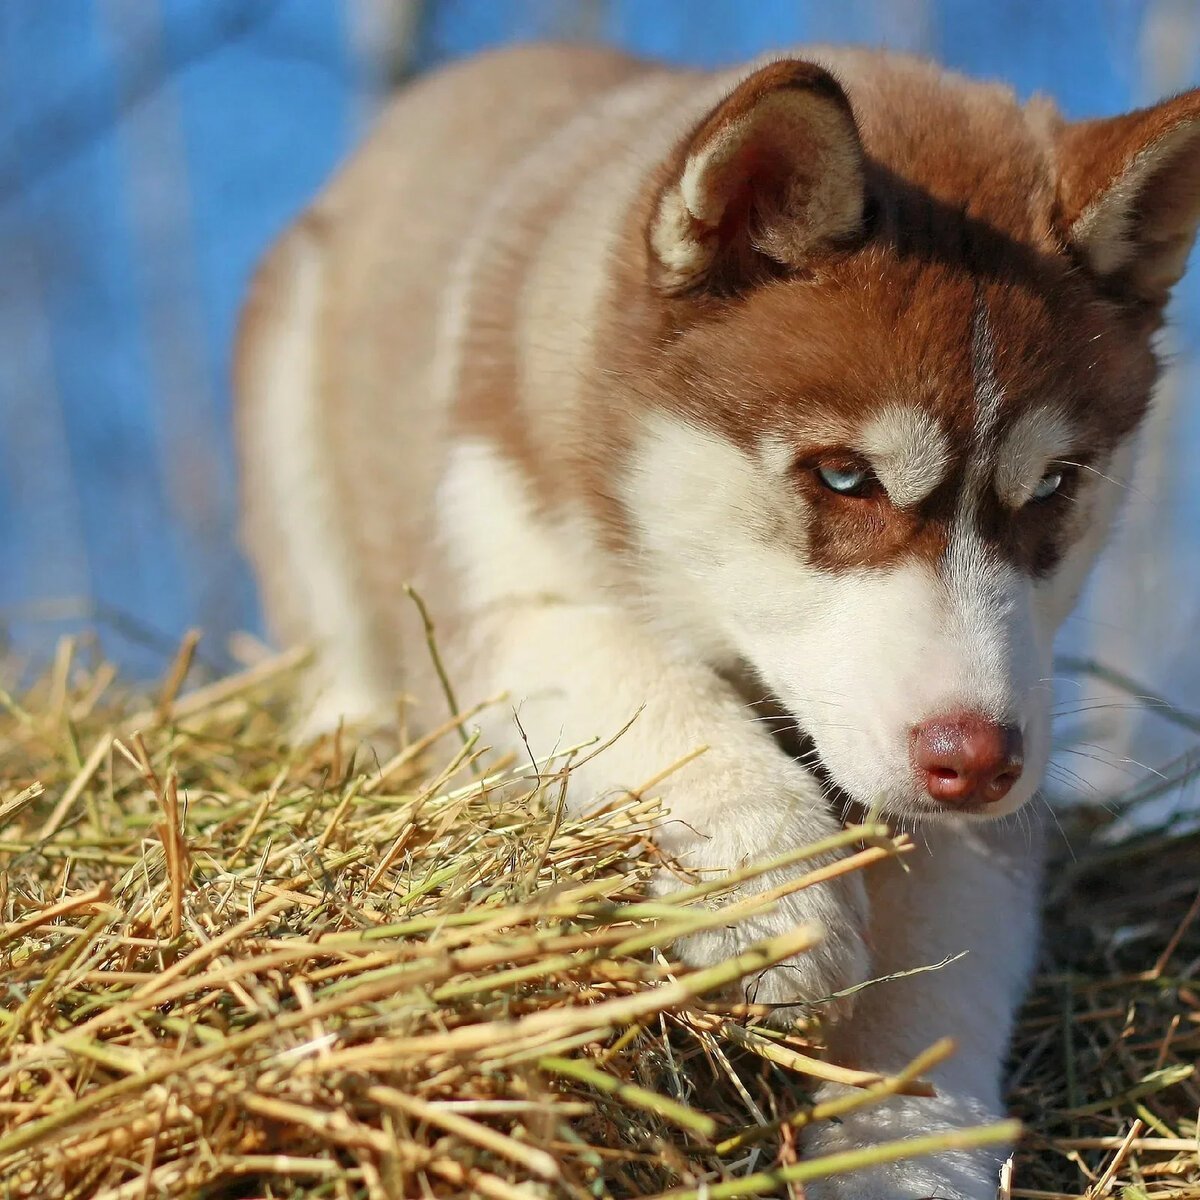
x=232 y=967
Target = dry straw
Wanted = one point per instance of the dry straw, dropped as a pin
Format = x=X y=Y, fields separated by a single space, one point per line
x=233 y=967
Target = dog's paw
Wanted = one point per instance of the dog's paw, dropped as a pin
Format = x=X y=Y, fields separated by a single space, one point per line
x=911 y=1181
x=837 y=962
x=745 y=804
x=954 y=1175
x=908 y=1181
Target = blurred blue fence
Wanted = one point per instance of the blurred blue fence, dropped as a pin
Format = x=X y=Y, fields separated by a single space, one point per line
x=149 y=150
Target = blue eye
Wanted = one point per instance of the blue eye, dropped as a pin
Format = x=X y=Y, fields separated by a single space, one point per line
x=1047 y=485
x=846 y=481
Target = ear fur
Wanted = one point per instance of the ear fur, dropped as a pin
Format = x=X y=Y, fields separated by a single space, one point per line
x=1129 y=195
x=774 y=173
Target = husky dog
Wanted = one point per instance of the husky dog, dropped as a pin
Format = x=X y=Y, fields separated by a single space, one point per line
x=673 y=392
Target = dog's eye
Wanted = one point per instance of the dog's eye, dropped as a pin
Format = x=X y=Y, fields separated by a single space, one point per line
x=1047 y=485
x=846 y=481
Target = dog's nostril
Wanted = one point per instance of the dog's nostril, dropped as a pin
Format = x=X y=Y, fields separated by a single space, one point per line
x=967 y=758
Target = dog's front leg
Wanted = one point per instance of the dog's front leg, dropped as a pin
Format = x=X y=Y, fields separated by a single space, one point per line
x=973 y=888
x=581 y=672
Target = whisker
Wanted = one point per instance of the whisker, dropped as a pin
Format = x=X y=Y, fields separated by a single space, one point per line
x=1061 y=831
x=1071 y=679
x=1076 y=783
x=1121 y=483
x=1127 y=684
x=1084 y=706
x=785 y=712
x=1066 y=775
x=791 y=722
x=1112 y=759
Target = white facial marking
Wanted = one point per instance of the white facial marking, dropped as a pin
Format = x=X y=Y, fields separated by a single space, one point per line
x=1037 y=438
x=703 y=511
x=777 y=454
x=859 y=656
x=909 y=452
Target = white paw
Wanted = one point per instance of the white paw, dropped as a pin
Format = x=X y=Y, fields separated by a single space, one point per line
x=953 y=1175
x=939 y=1178
x=838 y=907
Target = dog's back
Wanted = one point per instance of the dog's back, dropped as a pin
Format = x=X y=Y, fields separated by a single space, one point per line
x=345 y=349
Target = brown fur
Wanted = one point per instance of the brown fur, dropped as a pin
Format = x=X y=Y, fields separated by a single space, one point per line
x=568 y=345
x=968 y=200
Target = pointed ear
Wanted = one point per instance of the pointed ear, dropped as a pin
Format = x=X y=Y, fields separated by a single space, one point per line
x=772 y=175
x=1129 y=195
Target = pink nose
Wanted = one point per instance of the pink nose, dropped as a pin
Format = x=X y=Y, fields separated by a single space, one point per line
x=966 y=759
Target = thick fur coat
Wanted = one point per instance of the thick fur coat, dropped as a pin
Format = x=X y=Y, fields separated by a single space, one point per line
x=807 y=387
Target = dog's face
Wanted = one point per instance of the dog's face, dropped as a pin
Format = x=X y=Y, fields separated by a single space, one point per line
x=880 y=475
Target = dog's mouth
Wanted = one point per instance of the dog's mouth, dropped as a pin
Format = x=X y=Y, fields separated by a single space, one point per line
x=795 y=741
x=799 y=745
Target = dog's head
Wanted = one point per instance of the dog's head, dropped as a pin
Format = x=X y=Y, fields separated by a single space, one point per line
x=900 y=358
